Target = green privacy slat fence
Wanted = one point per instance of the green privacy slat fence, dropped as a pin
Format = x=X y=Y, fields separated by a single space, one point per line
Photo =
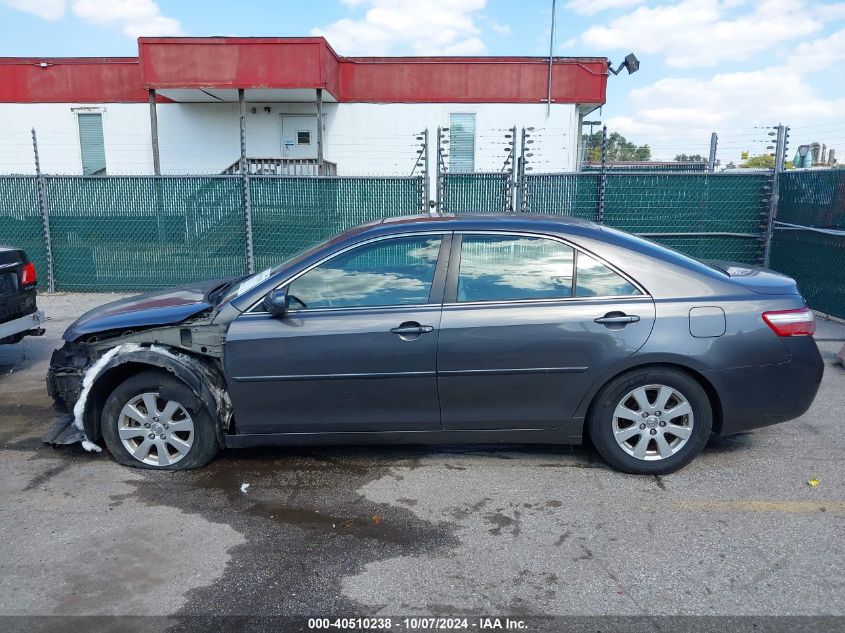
x=290 y=214
x=726 y=212
x=20 y=220
x=562 y=194
x=817 y=262
x=139 y=232
x=814 y=199
x=734 y=206
x=475 y=193
x=126 y=233
x=132 y=233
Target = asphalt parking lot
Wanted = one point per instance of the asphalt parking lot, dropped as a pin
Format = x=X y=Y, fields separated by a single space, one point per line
x=409 y=530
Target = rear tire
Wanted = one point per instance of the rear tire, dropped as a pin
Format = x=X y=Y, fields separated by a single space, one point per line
x=650 y=421
x=143 y=430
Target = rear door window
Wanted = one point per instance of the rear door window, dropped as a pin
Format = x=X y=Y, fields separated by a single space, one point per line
x=513 y=268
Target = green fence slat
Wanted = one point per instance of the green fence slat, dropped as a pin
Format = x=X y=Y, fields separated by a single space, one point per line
x=139 y=232
x=290 y=214
x=816 y=199
x=133 y=233
x=21 y=225
x=475 y=193
x=654 y=203
x=813 y=198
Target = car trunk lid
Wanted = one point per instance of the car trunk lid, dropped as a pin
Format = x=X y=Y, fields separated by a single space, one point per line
x=12 y=261
x=757 y=279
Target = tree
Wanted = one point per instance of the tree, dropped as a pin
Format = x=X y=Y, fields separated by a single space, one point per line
x=690 y=158
x=764 y=161
x=617 y=148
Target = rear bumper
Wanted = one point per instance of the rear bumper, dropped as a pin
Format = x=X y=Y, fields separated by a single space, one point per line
x=757 y=396
x=25 y=325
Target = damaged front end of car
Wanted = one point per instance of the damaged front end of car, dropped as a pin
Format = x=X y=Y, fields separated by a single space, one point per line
x=89 y=367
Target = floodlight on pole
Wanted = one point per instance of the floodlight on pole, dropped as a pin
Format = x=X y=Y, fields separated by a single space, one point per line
x=631 y=63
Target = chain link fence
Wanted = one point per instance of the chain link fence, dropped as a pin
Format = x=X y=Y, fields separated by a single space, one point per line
x=140 y=232
x=290 y=214
x=809 y=237
x=706 y=215
x=480 y=192
x=21 y=221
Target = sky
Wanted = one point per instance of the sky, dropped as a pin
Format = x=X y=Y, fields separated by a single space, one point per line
x=736 y=67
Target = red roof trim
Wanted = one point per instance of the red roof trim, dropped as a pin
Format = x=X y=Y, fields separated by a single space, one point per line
x=298 y=62
x=71 y=80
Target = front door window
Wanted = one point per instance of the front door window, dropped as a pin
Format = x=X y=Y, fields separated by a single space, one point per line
x=394 y=272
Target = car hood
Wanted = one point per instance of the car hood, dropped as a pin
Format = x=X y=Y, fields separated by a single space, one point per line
x=757 y=279
x=162 y=307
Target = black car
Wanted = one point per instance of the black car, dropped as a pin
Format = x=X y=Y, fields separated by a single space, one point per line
x=508 y=328
x=19 y=315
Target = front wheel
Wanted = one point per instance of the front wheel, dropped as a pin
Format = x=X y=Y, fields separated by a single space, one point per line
x=650 y=421
x=145 y=430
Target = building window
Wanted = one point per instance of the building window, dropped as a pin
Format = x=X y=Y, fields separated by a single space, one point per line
x=461 y=142
x=303 y=137
x=92 y=145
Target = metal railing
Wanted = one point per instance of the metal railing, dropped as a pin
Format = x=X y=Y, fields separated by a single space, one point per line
x=284 y=167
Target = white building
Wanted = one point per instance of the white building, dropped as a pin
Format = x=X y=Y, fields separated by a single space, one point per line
x=176 y=109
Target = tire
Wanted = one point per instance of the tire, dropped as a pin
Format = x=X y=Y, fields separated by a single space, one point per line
x=180 y=435
x=672 y=433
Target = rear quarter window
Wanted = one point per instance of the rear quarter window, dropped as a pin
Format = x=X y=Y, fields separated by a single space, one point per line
x=594 y=279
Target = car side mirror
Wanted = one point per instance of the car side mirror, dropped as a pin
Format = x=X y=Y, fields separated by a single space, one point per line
x=276 y=302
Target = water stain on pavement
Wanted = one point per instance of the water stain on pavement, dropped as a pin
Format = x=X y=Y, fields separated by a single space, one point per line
x=306 y=526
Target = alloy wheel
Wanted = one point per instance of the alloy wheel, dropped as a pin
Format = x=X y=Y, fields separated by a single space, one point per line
x=155 y=431
x=653 y=422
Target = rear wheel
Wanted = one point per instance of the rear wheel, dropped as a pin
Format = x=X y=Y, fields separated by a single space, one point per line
x=144 y=429
x=650 y=421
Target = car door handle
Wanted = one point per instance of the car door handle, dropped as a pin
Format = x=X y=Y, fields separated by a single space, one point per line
x=617 y=319
x=412 y=328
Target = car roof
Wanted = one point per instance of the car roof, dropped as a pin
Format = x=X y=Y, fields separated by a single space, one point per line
x=479 y=221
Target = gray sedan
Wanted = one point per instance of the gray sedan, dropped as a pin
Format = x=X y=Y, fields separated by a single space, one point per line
x=508 y=328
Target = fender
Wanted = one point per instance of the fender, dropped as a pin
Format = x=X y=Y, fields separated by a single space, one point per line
x=204 y=381
x=638 y=360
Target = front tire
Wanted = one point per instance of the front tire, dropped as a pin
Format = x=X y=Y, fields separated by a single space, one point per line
x=144 y=430
x=650 y=421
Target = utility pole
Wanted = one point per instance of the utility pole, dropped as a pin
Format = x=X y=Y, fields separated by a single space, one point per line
x=711 y=161
x=780 y=152
x=244 y=169
x=520 y=173
x=45 y=215
x=426 y=175
x=514 y=183
x=154 y=133
x=602 y=176
x=440 y=167
x=551 y=59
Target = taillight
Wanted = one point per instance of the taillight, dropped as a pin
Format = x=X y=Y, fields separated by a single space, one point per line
x=800 y=322
x=28 y=274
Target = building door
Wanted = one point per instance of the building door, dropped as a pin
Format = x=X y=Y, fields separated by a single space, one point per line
x=299 y=136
